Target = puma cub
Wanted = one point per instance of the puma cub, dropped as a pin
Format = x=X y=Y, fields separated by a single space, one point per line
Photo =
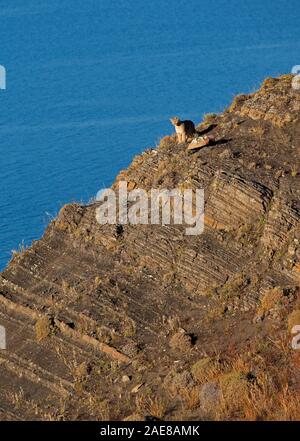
x=184 y=129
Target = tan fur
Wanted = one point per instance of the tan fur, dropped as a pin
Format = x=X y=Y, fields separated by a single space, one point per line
x=184 y=129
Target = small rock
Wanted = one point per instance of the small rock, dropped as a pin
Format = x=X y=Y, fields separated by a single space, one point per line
x=126 y=379
x=209 y=396
x=151 y=418
x=131 y=185
x=136 y=388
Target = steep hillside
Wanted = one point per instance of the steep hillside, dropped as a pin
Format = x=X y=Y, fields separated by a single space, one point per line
x=106 y=322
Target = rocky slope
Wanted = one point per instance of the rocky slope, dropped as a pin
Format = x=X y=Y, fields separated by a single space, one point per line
x=106 y=322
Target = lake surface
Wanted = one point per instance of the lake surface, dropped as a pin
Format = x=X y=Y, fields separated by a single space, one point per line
x=92 y=83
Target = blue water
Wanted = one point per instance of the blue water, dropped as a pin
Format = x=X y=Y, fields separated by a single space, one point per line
x=92 y=83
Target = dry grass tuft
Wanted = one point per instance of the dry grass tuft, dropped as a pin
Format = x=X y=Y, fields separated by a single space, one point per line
x=258 y=132
x=190 y=397
x=234 y=386
x=181 y=341
x=203 y=370
x=209 y=117
x=167 y=142
x=155 y=407
x=43 y=328
x=294 y=171
x=270 y=299
x=237 y=102
x=69 y=291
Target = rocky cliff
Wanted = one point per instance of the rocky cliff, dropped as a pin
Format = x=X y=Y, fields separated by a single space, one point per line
x=105 y=322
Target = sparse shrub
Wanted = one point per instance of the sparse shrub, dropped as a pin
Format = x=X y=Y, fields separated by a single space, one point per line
x=294 y=171
x=270 y=299
x=134 y=417
x=43 y=328
x=169 y=278
x=97 y=282
x=191 y=397
x=181 y=341
x=69 y=291
x=259 y=132
x=131 y=348
x=104 y=366
x=167 y=142
x=209 y=117
x=155 y=407
x=201 y=369
x=81 y=371
x=234 y=286
x=234 y=386
x=16 y=398
x=129 y=327
x=207 y=369
x=237 y=101
x=158 y=407
x=20 y=251
x=269 y=83
x=104 y=410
